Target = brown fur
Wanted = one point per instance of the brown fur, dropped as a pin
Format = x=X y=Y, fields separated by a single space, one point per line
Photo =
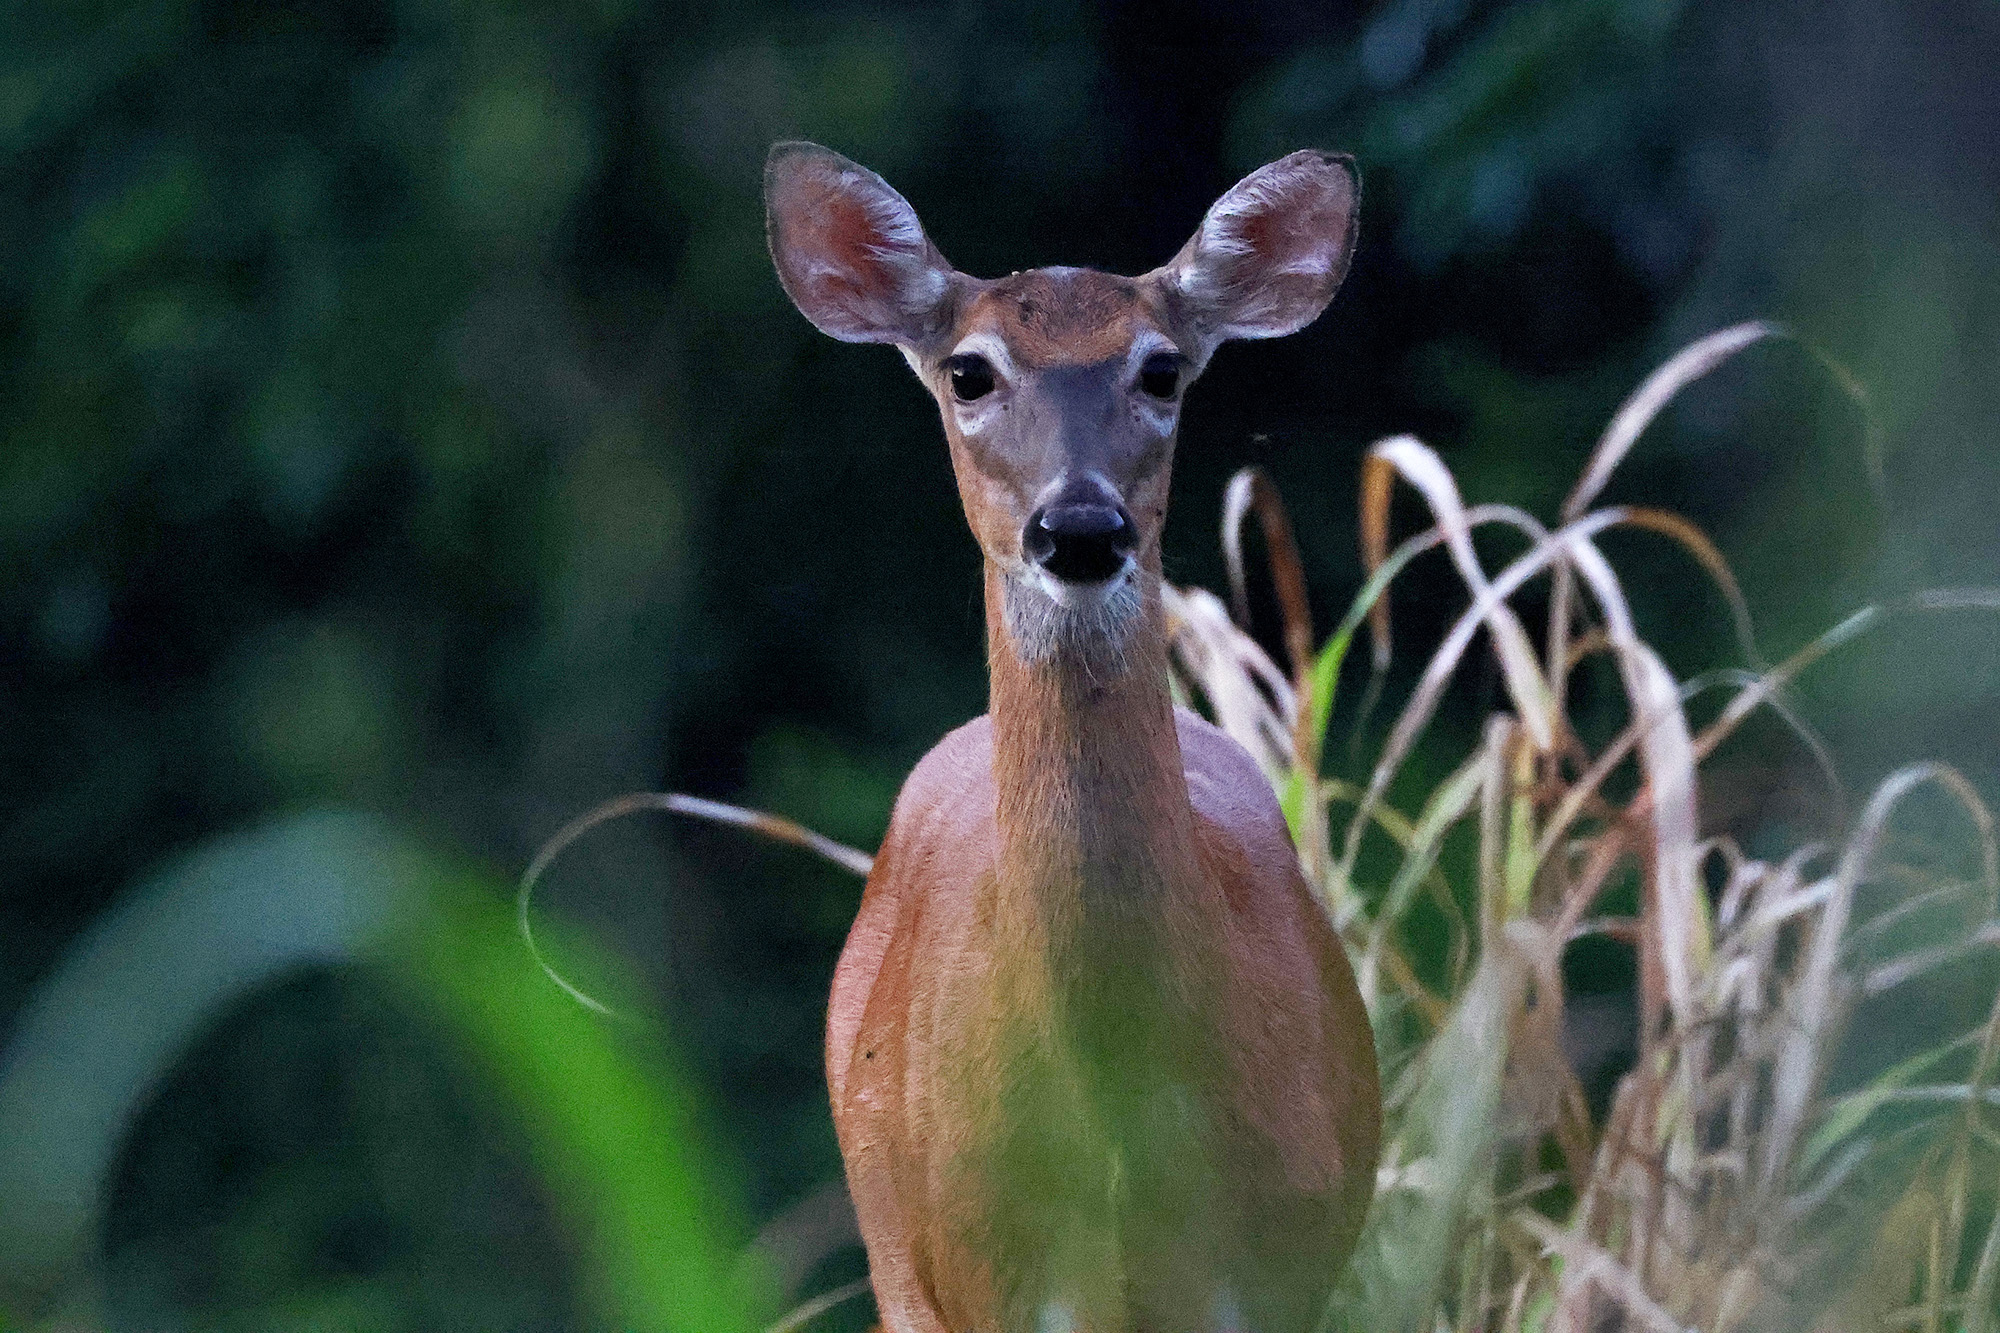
x=1074 y=834
x=1097 y=1059
x=1062 y=317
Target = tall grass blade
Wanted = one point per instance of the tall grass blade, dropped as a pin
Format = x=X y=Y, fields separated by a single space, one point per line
x=1443 y=664
x=1448 y=804
x=1424 y=470
x=1251 y=492
x=1802 y=1048
x=1636 y=413
x=1627 y=425
x=807 y=1311
x=1697 y=544
x=1248 y=695
x=1845 y=1117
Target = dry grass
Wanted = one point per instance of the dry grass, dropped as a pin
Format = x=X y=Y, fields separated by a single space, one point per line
x=1725 y=1188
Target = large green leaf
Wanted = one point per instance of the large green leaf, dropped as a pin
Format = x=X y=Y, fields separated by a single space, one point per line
x=607 y=1116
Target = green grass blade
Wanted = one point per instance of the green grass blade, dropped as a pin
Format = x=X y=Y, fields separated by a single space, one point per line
x=607 y=1116
x=1846 y=1116
x=1407 y=1250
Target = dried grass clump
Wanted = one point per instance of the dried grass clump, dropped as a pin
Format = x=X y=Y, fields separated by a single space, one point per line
x=1725 y=1189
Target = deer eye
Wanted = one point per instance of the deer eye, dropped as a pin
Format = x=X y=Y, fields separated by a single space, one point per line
x=1160 y=376
x=971 y=377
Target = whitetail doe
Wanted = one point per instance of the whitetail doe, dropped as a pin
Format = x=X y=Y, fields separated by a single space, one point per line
x=1097 y=1059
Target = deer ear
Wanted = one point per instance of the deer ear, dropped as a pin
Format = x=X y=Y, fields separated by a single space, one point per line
x=850 y=251
x=1270 y=252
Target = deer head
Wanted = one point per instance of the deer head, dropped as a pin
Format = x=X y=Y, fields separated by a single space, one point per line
x=1061 y=388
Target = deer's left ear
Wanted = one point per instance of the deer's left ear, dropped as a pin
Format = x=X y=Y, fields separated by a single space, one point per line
x=1270 y=253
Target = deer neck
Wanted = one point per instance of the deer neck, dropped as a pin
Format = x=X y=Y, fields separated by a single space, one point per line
x=1094 y=818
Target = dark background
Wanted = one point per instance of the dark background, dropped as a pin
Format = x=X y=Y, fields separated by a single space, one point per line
x=397 y=410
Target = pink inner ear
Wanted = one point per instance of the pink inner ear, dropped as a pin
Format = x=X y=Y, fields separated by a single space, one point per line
x=1288 y=220
x=855 y=245
x=1253 y=231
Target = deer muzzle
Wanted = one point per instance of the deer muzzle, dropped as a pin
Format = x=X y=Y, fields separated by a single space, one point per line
x=1083 y=536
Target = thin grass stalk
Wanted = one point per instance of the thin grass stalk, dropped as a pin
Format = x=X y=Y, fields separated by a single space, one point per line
x=1959 y=599
x=1419 y=465
x=1448 y=804
x=1377 y=484
x=1762 y=689
x=1402 y=830
x=1911 y=966
x=1672 y=526
x=1954 y=893
x=1250 y=492
x=1493 y=794
x=1822 y=755
x=1770 y=683
x=807 y=1311
x=1979 y=1293
x=1444 y=662
x=1382 y=571
x=1248 y=695
x=1801 y=1050
x=1588 y=1267
x=1646 y=402
x=1627 y=425
x=775 y=827
x=1667 y=754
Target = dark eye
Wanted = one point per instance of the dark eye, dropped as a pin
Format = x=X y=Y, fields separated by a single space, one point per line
x=1161 y=374
x=971 y=377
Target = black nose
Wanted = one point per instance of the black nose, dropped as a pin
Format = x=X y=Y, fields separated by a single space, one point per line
x=1080 y=543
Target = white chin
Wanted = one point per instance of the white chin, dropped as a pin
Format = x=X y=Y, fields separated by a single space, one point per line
x=1084 y=597
x=1086 y=623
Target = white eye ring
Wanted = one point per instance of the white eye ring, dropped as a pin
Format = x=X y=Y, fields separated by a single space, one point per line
x=975 y=414
x=988 y=349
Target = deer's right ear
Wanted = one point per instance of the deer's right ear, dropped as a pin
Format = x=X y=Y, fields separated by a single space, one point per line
x=850 y=251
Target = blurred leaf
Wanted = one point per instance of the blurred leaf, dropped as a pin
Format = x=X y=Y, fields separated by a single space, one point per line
x=608 y=1117
x=131 y=994
x=1440 y=1160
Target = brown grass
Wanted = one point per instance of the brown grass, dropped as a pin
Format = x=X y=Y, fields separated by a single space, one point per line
x=1725 y=1188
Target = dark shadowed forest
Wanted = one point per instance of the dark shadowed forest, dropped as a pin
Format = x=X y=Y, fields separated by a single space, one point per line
x=405 y=445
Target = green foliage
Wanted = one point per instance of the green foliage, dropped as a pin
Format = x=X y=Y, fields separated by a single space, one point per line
x=610 y=1127
x=607 y=1115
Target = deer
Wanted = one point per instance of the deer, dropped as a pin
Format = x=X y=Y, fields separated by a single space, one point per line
x=1096 y=1056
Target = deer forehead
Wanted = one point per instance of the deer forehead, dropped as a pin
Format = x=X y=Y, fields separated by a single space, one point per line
x=1050 y=317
